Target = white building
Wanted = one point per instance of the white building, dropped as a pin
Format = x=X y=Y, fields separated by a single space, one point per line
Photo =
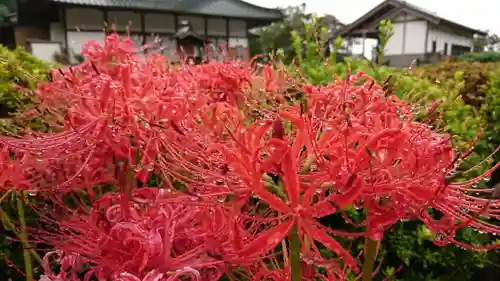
x=419 y=35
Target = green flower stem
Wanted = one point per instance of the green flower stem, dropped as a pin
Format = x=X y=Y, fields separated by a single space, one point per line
x=23 y=235
x=370 y=256
x=4 y=196
x=295 y=255
x=8 y=225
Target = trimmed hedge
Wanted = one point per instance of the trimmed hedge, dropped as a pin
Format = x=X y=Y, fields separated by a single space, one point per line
x=480 y=57
x=19 y=68
x=19 y=74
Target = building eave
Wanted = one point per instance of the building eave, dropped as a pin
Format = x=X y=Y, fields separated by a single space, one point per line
x=402 y=6
x=462 y=27
x=217 y=8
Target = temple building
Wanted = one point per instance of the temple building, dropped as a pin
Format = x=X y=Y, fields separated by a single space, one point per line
x=48 y=26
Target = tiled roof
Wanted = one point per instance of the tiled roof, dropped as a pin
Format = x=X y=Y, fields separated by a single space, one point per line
x=407 y=7
x=230 y=8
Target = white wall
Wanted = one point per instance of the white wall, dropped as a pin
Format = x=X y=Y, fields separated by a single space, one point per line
x=57 y=33
x=77 y=40
x=395 y=44
x=238 y=42
x=442 y=37
x=45 y=50
x=413 y=33
x=415 y=37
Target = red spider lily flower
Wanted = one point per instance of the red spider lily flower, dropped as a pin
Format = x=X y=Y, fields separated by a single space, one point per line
x=362 y=144
x=149 y=234
x=240 y=165
x=119 y=107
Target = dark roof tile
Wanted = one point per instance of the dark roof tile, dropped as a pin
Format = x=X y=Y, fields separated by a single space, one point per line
x=230 y=8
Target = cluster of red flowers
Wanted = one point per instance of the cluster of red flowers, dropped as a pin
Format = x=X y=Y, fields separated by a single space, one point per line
x=215 y=166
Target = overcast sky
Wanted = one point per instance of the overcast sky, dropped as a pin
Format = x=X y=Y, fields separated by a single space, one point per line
x=477 y=14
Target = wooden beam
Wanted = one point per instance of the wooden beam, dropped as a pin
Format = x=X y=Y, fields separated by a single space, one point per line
x=359 y=33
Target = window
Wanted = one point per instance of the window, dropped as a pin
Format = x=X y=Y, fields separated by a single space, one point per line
x=434 y=46
x=445 y=49
x=457 y=50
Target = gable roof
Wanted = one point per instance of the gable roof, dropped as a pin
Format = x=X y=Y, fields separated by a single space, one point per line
x=228 y=8
x=391 y=8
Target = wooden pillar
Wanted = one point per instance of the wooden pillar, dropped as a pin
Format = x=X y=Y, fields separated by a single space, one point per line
x=106 y=22
x=205 y=22
x=248 y=54
x=64 y=24
x=231 y=52
x=143 y=29
x=176 y=23
x=227 y=30
x=364 y=43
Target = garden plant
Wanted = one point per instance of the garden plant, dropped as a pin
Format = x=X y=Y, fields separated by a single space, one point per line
x=212 y=171
x=462 y=100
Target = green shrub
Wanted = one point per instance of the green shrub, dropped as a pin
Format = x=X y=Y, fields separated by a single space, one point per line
x=19 y=68
x=480 y=57
x=19 y=74
x=491 y=111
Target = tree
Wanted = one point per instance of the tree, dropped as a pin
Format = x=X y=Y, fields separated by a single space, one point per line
x=278 y=35
x=486 y=42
